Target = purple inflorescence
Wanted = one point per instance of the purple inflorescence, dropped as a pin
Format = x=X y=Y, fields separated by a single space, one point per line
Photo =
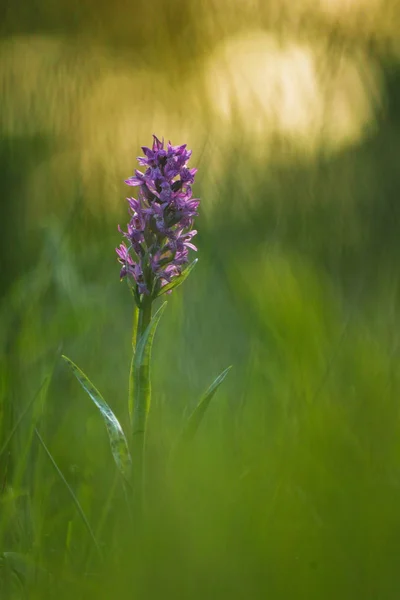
x=160 y=230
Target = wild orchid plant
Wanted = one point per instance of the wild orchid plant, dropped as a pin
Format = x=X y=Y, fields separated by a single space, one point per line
x=154 y=260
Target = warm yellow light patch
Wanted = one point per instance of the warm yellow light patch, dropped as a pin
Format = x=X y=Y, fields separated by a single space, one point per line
x=276 y=89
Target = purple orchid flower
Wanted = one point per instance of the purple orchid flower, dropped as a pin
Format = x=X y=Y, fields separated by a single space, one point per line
x=160 y=228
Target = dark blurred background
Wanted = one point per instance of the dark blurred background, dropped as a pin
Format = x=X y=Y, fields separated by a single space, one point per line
x=292 y=110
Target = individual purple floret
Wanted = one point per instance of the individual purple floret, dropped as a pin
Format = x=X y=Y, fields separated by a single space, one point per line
x=159 y=233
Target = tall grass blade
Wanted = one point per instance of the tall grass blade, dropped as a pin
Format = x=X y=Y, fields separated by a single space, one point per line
x=70 y=490
x=22 y=416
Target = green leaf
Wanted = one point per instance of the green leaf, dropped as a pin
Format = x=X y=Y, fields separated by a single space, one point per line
x=178 y=280
x=118 y=443
x=193 y=422
x=141 y=366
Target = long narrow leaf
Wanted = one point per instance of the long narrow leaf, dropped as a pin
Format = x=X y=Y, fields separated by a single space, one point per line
x=193 y=422
x=178 y=280
x=141 y=362
x=143 y=350
x=118 y=443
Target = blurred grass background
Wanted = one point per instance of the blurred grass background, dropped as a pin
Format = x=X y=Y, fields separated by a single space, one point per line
x=292 y=487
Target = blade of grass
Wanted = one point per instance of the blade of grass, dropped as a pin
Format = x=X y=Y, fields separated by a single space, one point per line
x=23 y=415
x=23 y=452
x=71 y=492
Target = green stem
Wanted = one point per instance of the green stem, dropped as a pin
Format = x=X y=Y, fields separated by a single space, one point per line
x=141 y=406
x=131 y=372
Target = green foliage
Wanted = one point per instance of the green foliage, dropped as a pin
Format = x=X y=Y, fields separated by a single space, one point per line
x=141 y=370
x=19 y=420
x=22 y=569
x=118 y=443
x=73 y=496
x=194 y=420
x=178 y=280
